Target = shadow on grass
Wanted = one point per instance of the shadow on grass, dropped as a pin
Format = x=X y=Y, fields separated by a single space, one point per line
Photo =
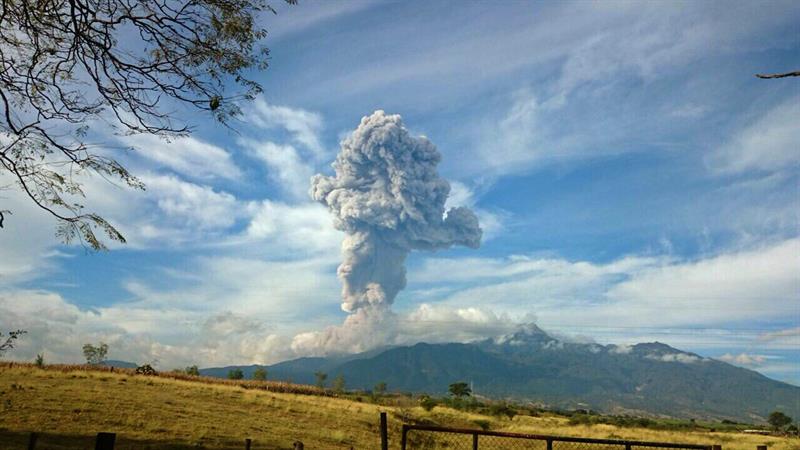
x=13 y=440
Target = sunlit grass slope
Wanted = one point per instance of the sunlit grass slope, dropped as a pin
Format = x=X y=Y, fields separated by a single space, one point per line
x=72 y=405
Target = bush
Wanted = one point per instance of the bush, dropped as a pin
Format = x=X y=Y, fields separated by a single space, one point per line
x=193 y=370
x=427 y=402
x=40 y=360
x=146 y=369
x=502 y=409
x=235 y=374
x=484 y=424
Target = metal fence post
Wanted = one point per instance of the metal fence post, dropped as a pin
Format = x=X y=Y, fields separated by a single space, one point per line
x=475 y=441
x=32 y=441
x=247 y=443
x=549 y=444
x=404 y=437
x=105 y=441
x=384 y=433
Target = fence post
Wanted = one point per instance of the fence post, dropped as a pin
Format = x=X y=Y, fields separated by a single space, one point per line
x=761 y=447
x=475 y=441
x=384 y=433
x=105 y=441
x=247 y=443
x=549 y=444
x=716 y=447
x=403 y=437
x=32 y=441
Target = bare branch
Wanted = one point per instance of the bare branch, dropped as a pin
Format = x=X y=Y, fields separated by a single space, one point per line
x=779 y=75
x=65 y=63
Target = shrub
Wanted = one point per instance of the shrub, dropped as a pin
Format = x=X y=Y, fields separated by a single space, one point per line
x=40 y=360
x=484 y=424
x=235 y=374
x=193 y=370
x=427 y=402
x=260 y=374
x=146 y=369
x=502 y=409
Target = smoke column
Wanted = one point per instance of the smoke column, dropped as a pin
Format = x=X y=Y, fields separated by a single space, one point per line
x=388 y=198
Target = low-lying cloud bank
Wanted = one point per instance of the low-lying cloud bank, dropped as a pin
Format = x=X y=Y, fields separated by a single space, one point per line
x=217 y=320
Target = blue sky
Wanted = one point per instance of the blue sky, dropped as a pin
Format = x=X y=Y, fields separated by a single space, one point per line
x=634 y=180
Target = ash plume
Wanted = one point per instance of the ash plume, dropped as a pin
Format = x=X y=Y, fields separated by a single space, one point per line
x=389 y=200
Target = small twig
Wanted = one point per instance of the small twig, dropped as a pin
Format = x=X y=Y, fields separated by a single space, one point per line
x=779 y=75
x=3 y=217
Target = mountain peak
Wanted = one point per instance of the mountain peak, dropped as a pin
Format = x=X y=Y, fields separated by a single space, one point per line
x=526 y=334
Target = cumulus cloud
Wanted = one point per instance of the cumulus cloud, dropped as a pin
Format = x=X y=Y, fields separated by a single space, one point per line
x=166 y=336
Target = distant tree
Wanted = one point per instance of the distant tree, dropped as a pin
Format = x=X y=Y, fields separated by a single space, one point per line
x=260 y=374
x=460 y=389
x=8 y=343
x=122 y=64
x=778 y=420
x=380 y=388
x=338 y=384
x=39 y=360
x=95 y=355
x=321 y=377
x=193 y=370
x=235 y=374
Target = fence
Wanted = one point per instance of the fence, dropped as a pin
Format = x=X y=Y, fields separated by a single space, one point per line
x=429 y=437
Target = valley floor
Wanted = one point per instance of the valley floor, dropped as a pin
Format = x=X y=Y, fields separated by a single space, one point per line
x=71 y=406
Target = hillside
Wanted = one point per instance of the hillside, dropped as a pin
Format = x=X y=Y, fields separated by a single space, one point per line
x=72 y=404
x=651 y=378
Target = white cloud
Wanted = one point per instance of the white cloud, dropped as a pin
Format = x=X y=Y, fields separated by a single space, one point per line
x=167 y=337
x=684 y=358
x=286 y=166
x=744 y=359
x=306 y=228
x=26 y=239
x=304 y=126
x=188 y=156
x=632 y=296
x=770 y=143
x=462 y=195
x=789 y=334
x=193 y=206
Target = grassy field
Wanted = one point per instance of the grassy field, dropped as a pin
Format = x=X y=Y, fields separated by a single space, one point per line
x=71 y=405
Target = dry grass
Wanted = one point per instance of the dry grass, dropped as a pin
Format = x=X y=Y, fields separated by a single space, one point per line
x=73 y=403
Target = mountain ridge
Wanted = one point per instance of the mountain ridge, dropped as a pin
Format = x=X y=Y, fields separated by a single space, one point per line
x=534 y=367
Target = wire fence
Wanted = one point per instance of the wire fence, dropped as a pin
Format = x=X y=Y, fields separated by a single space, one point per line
x=420 y=437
